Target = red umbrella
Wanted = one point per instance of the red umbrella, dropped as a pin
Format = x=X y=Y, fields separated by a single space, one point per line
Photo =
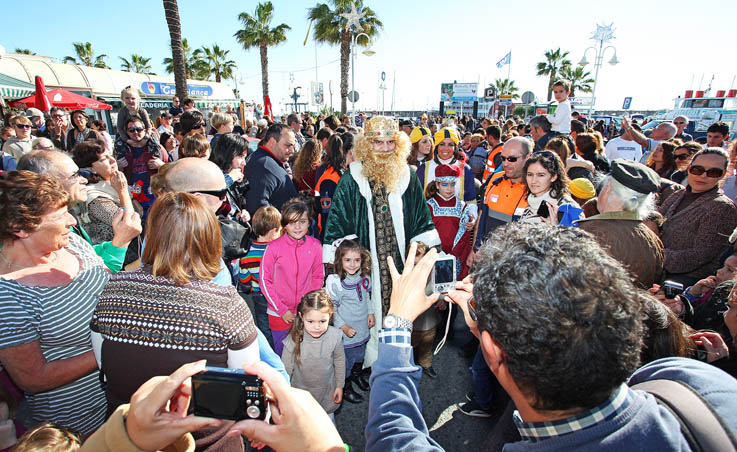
x=41 y=99
x=65 y=99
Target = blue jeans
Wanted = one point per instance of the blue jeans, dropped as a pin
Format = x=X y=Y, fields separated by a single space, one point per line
x=261 y=318
x=485 y=384
x=353 y=355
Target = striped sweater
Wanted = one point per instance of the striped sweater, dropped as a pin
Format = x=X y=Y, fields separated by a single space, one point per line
x=249 y=265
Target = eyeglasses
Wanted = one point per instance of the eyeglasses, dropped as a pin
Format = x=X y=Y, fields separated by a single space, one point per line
x=678 y=123
x=58 y=116
x=77 y=174
x=698 y=170
x=682 y=156
x=220 y=194
x=135 y=129
x=198 y=125
x=508 y=159
x=23 y=126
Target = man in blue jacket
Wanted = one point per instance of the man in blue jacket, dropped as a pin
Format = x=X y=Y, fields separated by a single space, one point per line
x=267 y=170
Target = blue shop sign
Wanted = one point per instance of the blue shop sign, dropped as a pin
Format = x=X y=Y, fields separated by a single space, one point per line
x=170 y=89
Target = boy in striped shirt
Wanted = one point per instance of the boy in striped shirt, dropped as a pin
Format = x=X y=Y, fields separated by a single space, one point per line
x=266 y=226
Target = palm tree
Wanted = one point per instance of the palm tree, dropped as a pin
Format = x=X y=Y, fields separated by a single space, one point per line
x=580 y=80
x=217 y=61
x=86 y=56
x=555 y=62
x=137 y=64
x=171 y=11
x=24 y=51
x=256 y=32
x=332 y=28
x=505 y=86
x=193 y=64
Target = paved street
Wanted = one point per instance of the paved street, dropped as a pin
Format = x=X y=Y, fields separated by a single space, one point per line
x=452 y=429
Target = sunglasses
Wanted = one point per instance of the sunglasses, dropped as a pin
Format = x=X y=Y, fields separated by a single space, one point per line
x=698 y=170
x=23 y=126
x=220 y=194
x=508 y=159
x=679 y=123
x=198 y=125
x=135 y=129
x=682 y=156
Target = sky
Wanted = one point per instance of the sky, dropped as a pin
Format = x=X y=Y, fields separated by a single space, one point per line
x=663 y=49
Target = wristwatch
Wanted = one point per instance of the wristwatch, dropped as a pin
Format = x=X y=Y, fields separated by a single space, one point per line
x=393 y=321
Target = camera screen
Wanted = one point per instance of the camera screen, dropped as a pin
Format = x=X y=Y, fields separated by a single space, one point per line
x=220 y=399
x=444 y=271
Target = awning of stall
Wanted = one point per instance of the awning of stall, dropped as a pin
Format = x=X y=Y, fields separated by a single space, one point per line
x=12 y=88
x=106 y=84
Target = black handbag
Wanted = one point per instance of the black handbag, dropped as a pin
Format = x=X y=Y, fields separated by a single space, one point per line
x=236 y=238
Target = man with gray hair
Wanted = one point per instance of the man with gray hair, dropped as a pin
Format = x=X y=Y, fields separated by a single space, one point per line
x=541 y=131
x=663 y=132
x=681 y=122
x=626 y=198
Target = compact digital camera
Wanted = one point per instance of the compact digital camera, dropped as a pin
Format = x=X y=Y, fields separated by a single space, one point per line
x=671 y=289
x=228 y=394
x=444 y=274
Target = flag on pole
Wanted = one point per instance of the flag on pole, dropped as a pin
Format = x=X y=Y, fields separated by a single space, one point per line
x=505 y=60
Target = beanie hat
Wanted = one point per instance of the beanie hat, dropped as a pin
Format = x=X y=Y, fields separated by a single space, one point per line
x=444 y=133
x=447 y=173
x=417 y=134
x=582 y=188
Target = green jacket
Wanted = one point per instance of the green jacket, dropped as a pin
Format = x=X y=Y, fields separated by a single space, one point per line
x=112 y=255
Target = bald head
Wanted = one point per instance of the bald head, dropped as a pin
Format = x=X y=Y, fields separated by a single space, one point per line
x=193 y=174
x=524 y=145
x=665 y=131
x=41 y=161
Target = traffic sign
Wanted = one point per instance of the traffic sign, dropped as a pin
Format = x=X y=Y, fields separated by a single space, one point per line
x=627 y=103
x=528 y=97
x=490 y=93
x=353 y=96
x=505 y=101
x=578 y=100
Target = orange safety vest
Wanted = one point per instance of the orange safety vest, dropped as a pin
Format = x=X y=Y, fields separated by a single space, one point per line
x=505 y=199
x=490 y=168
x=332 y=175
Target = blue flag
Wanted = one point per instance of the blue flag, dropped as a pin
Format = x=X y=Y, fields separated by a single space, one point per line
x=505 y=60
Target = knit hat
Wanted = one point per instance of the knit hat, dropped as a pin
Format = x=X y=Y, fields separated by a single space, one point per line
x=447 y=173
x=582 y=188
x=418 y=133
x=635 y=176
x=380 y=127
x=444 y=133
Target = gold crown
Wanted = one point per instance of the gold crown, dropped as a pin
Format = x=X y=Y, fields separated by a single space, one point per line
x=381 y=126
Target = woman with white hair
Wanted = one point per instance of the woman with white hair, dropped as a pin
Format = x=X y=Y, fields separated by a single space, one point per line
x=627 y=196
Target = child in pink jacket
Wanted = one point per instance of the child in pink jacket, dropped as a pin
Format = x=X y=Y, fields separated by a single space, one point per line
x=291 y=267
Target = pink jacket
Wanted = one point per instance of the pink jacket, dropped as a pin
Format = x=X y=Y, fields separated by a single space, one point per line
x=289 y=269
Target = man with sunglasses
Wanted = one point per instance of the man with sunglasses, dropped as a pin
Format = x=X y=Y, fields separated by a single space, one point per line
x=20 y=144
x=57 y=132
x=698 y=220
x=681 y=122
x=193 y=121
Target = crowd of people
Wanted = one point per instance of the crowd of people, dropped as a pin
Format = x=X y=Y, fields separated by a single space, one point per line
x=587 y=259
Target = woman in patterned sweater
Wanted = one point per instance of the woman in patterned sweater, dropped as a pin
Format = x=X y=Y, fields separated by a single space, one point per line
x=152 y=320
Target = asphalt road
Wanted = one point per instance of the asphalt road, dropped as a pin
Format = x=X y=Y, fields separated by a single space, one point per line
x=453 y=430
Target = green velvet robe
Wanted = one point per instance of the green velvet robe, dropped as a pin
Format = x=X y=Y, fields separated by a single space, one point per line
x=350 y=213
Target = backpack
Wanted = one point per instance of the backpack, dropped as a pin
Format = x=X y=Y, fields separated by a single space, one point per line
x=700 y=425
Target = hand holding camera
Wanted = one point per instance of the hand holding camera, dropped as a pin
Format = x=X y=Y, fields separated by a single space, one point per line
x=408 y=299
x=668 y=295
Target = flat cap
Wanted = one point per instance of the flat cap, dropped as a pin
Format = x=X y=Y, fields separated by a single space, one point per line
x=635 y=176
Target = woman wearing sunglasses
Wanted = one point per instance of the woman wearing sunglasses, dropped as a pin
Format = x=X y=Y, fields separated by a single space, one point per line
x=682 y=156
x=547 y=190
x=698 y=220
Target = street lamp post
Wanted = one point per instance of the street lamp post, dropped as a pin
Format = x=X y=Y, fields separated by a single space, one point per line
x=602 y=35
x=367 y=52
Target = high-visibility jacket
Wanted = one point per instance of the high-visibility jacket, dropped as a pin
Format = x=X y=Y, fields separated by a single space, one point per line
x=493 y=162
x=503 y=202
x=324 y=190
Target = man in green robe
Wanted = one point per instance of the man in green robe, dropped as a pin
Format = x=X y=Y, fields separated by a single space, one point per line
x=380 y=200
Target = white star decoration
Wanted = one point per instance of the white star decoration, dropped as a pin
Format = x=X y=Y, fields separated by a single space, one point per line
x=603 y=33
x=354 y=17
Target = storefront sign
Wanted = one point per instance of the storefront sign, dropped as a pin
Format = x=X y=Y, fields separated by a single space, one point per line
x=170 y=89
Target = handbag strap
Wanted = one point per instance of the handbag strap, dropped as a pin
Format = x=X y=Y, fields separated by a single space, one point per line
x=701 y=426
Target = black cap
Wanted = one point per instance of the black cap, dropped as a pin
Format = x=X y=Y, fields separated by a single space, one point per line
x=635 y=176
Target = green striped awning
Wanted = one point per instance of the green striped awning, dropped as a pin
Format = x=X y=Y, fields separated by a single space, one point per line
x=213 y=102
x=165 y=103
x=12 y=88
